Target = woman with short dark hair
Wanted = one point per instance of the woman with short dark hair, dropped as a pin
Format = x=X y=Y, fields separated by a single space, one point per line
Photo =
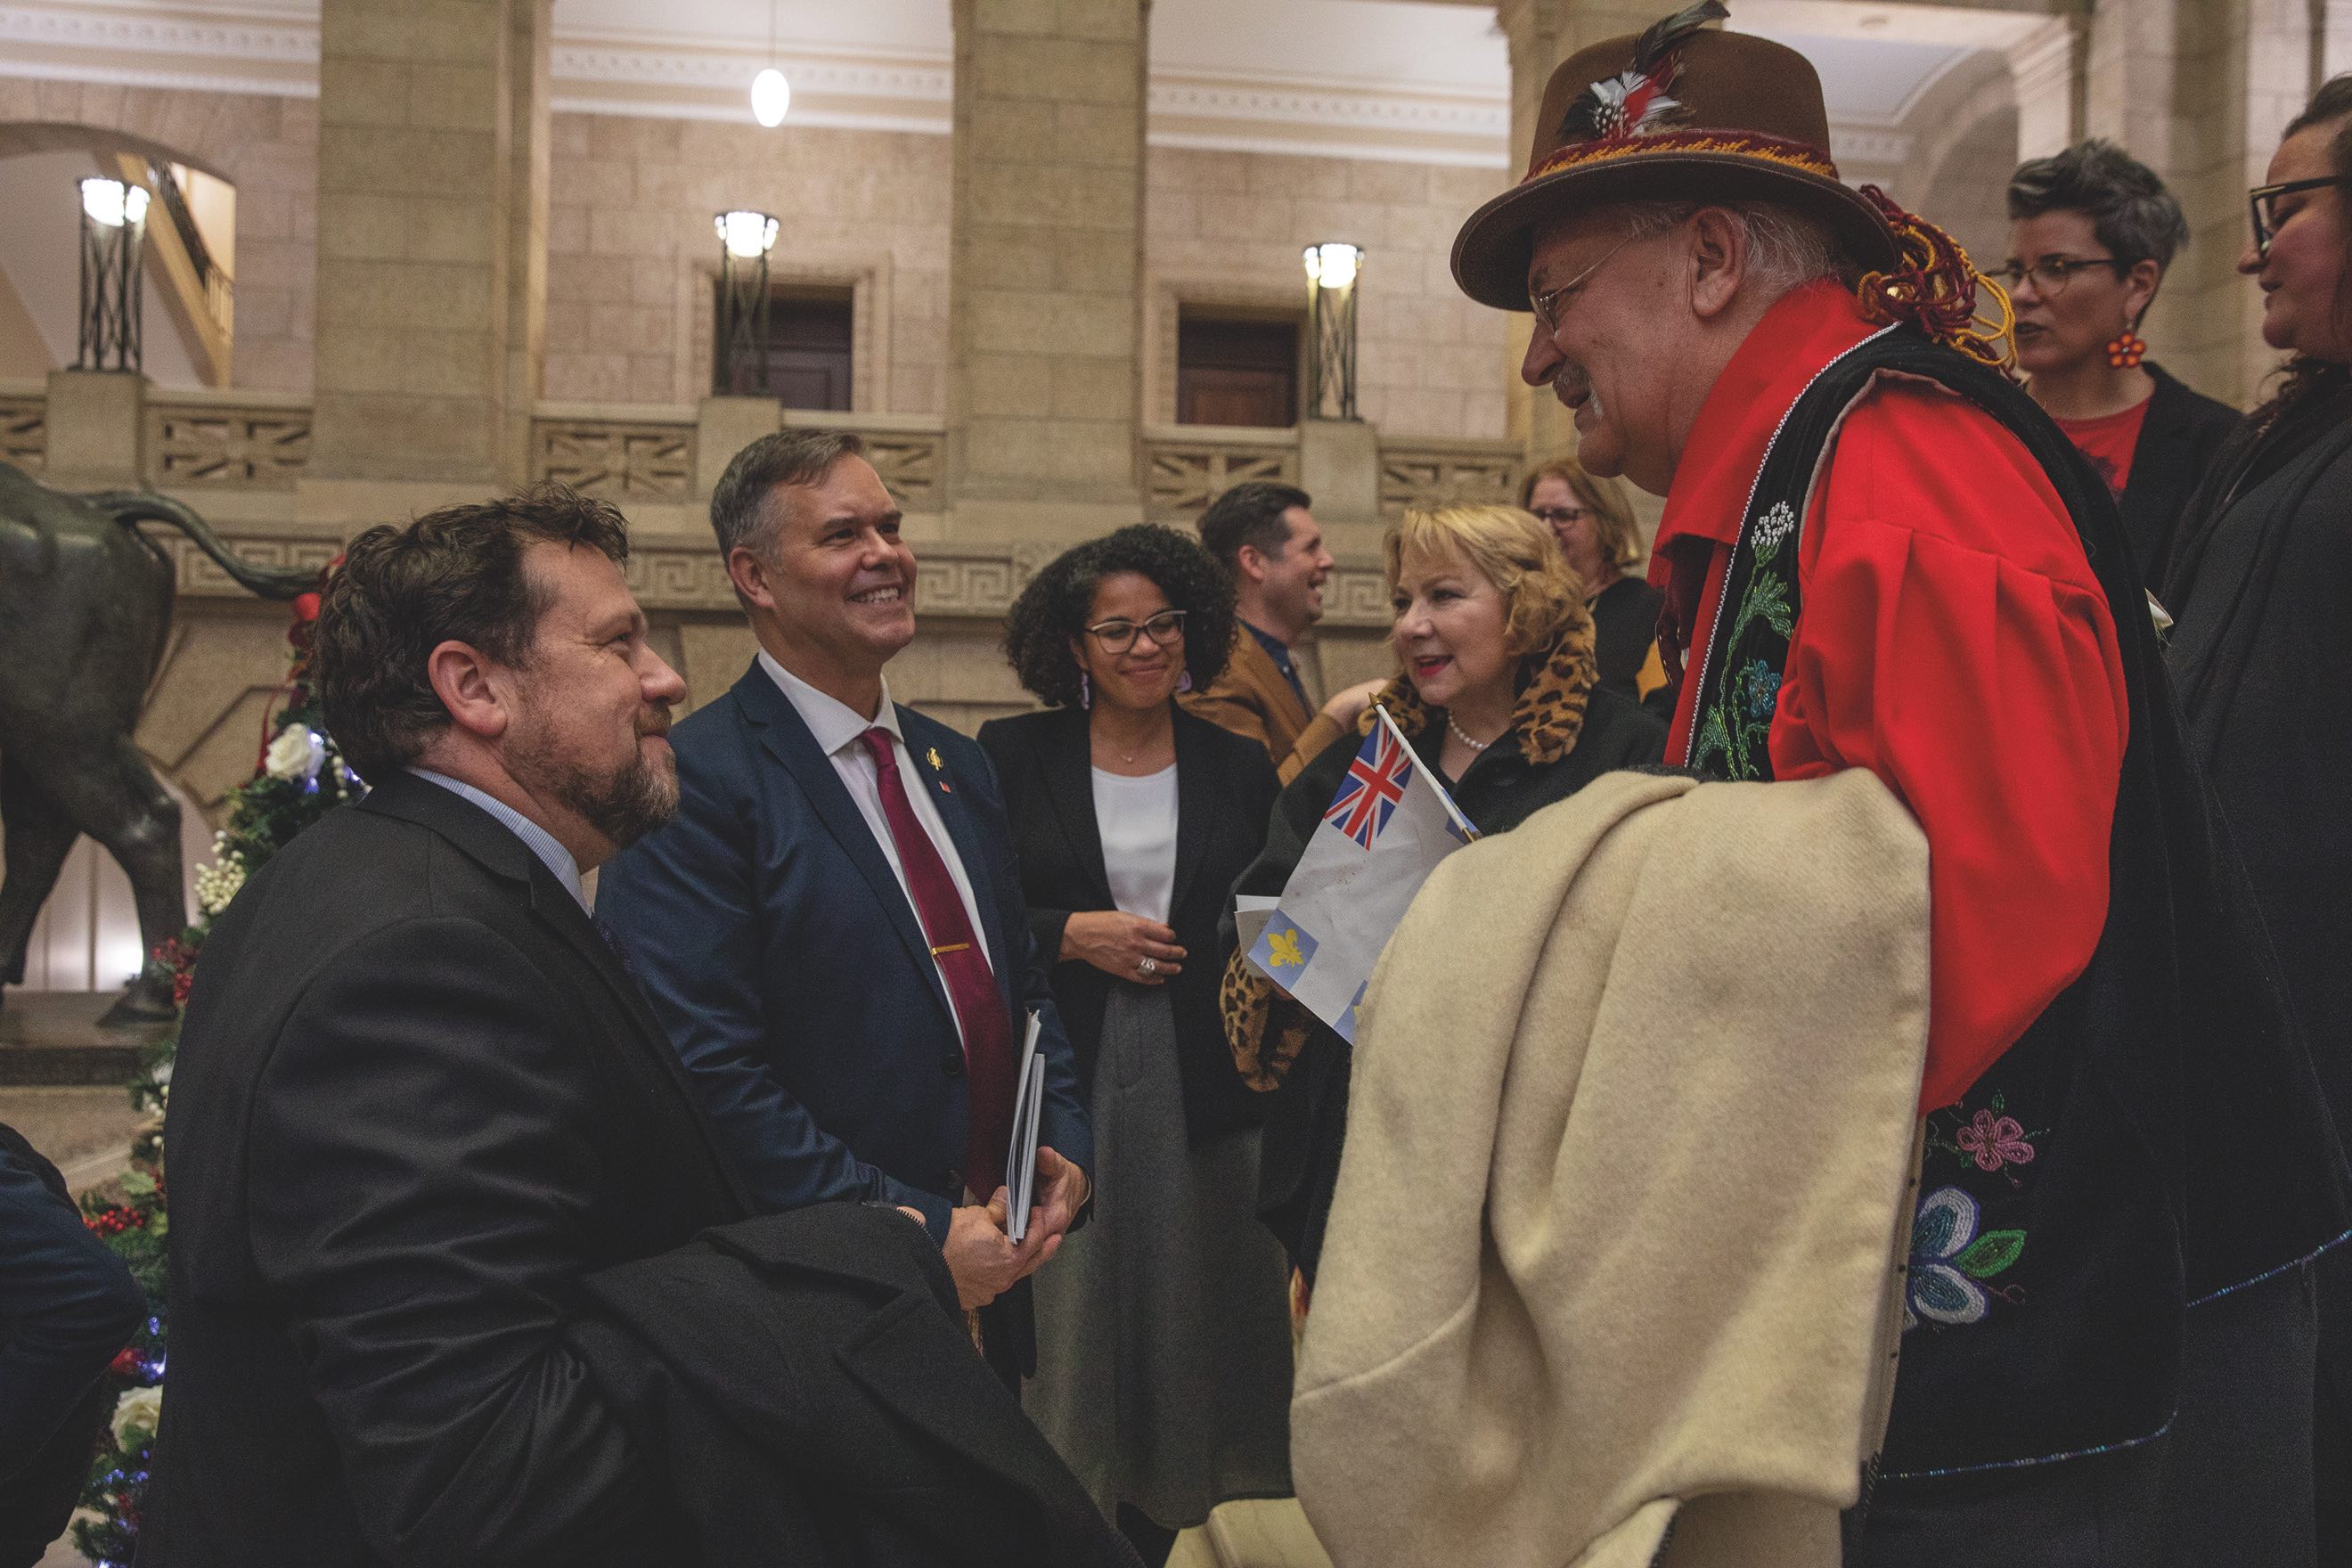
x=2090 y=233
x=1163 y=1345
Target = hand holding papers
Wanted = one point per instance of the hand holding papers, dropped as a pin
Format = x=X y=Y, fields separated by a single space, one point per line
x=1386 y=829
x=1021 y=1161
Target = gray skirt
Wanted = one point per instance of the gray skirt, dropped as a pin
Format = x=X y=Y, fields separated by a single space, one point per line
x=1163 y=1326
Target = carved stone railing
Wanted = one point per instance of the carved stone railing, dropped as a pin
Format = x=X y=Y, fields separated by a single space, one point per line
x=24 y=424
x=908 y=451
x=1429 y=471
x=198 y=439
x=618 y=454
x=1186 y=467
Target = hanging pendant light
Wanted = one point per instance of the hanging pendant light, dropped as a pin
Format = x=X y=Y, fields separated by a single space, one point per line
x=771 y=95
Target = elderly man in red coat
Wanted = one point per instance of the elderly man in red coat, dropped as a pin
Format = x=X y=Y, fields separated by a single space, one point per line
x=1876 y=553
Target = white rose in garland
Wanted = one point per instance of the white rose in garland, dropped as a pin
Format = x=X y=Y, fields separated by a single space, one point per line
x=135 y=1417
x=298 y=752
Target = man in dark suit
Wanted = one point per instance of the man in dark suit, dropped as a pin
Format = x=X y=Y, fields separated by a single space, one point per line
x=832 y=927
x=417 y=1100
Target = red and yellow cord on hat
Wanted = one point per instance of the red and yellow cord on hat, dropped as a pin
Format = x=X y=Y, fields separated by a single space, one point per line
x=1933 y=286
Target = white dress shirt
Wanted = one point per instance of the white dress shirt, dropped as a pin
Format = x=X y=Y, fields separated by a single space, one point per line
x=537 y=839
x=837 y=727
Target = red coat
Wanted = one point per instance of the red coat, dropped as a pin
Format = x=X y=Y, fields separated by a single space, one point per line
x=1952 y=640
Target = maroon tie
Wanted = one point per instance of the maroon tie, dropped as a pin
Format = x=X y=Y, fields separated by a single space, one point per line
x=963 y=964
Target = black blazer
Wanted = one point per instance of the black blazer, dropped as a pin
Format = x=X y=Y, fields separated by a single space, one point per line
x=1225 y=788
x=811 y=1382
x=416 y=1103
x=2177 y=443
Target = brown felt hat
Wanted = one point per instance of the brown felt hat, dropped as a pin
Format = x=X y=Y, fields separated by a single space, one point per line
x=1676 y=114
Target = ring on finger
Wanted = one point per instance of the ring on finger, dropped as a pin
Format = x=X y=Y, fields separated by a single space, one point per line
x=1147 y=966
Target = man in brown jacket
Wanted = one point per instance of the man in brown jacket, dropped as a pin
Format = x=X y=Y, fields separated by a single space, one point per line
x=1265 y=539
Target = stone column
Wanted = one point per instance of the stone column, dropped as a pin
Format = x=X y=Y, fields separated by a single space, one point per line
x=1043 y=298
x=1541 y=34
x=2051 y=87
x=2200 y=89
x=531 y=145
x=432 y=223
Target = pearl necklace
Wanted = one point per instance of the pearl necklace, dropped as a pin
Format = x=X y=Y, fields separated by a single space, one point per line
x=1466 y=740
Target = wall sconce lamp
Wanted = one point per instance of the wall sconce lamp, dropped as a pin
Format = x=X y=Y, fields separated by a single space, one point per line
x=1331 y=270
x=113 y=228
x=745 y=240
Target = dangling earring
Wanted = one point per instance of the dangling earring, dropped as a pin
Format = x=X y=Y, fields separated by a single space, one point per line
x=1085 y=690
x=2126 y=349
x=1184 y=682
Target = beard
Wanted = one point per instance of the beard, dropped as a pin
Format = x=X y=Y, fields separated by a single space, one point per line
x=622 y=803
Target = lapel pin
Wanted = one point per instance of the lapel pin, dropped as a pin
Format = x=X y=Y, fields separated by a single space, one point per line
x=932 y=757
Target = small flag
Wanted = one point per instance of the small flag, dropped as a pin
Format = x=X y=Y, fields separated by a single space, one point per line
x=1388 y=825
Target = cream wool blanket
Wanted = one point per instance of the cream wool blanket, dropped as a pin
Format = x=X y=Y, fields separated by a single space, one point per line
x=1627 y=1156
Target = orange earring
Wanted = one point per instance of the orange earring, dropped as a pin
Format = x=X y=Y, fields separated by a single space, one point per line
x=2126 y=349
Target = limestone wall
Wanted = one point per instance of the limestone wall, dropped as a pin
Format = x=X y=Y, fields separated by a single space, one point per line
x=1228 y=227
x=632 y=256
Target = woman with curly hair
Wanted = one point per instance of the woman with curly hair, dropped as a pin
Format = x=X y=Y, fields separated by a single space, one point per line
x=1500 y=699
x=1163 y=1352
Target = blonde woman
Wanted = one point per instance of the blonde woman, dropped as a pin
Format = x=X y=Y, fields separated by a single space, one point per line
x=1593 y=521
x=1498 y=697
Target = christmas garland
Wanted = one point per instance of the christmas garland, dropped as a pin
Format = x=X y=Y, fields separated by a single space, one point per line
x=297 y=779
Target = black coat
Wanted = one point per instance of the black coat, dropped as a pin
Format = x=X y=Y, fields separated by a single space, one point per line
x=808 y=1377
x=416 y=1103
x=1300 y=1164
x=1624 y=629
x=2179 y=442
x=66 y=1305
x=1225 y=789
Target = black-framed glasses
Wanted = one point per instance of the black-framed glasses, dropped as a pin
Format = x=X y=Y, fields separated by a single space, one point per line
x=1117 y=635
x=1554 y=516
x=2262 y=206
x=2051 y=274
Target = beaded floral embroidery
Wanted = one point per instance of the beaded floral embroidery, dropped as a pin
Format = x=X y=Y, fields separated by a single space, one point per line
x=1950 y=1261
x=1737 y=728
x=1994 y=1141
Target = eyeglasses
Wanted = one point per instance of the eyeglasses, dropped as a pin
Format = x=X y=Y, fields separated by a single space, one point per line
x=1164 y=629
x=2052 y=273
x=2262 y=202
x=1547 y=305
x=1555 y=515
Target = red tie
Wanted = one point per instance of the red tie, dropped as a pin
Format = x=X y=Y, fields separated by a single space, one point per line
x=963 y=964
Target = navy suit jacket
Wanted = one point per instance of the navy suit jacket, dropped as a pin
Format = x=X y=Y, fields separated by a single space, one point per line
x=791 y=972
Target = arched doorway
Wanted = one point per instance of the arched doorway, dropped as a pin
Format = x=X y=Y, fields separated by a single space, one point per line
x=188 y=274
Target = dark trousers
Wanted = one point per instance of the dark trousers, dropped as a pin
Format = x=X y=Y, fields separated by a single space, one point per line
x=2228 y=1485
x=2331 y=1437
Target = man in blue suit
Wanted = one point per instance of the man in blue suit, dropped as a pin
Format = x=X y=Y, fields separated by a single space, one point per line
x=832 y=927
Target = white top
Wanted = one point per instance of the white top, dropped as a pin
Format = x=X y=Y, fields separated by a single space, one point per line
x=837 y=727
x=537 y=839
x=1136 y=818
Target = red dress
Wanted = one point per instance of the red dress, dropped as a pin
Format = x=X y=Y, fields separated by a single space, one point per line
x=1952 y=640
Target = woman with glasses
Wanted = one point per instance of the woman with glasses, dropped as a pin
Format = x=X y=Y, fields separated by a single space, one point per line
x=1593 y=521
x=2260 y=581
x=2091 y=232
x=1164 y=1342
x=1498 y=699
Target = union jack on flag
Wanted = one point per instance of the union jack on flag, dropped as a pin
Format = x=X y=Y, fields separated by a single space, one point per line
x=1374 y=785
